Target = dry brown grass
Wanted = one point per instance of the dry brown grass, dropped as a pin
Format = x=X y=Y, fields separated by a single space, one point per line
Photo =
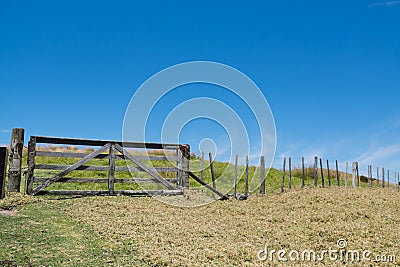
x=231 y=233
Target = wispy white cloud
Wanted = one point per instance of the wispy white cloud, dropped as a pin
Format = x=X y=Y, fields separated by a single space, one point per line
x=379 y=155
x=387 y=3
x=5 y=131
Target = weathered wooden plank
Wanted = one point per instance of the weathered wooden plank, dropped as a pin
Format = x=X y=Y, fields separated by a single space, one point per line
x=99 y=168
x=146 y=169
x=101 y=156
x=70 y=169
x=31 y=165
x=155 y=158
x=183 y=165
x=150 y=192
x=88 y=142
x=104 y=180
x=111 y=170
x=14 y=172
x=105 y=192
x=222 y=196
x=73 y=192
x=58 y=154
x=3 y=170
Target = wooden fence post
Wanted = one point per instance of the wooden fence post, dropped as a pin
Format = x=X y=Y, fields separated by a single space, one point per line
x=315 y=171
x=347 y=174
x=383 y=177
x=212 y=170
x=31 y=165
x=202 y=166
x=353 y=180
x=377 y=176
x=16 y=147
x=394 y=181
x=398 y=182
x=290 y=173
x=337 y=174
x=369 y=176
x=235 y=176
x=3 y=170
x=262 y=175
x=246 y=188
x=322 y=173
x=329 y=173
x=358 y=175
x=388 y=179
x=283 y=176
x=183 y=165
x=302 y=173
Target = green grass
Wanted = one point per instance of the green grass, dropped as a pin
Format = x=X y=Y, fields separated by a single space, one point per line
x=42 y=234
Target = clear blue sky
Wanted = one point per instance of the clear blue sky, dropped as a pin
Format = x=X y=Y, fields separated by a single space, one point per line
x=330 y=70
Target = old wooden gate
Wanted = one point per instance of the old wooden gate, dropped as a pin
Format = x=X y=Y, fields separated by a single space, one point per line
x=165 y=167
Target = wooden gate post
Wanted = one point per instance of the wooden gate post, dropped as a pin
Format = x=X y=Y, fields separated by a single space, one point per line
x=14 y=172
x=31 y=165
x=183 y=165
x=3 y=170
x=111 y=170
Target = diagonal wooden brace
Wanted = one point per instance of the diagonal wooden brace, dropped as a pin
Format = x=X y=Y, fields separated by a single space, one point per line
x=153 y=174
x=197 y=179
x=70 y=168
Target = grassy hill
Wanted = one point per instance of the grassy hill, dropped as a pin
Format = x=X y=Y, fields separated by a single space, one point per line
x=126 y=231
x=224 y=173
